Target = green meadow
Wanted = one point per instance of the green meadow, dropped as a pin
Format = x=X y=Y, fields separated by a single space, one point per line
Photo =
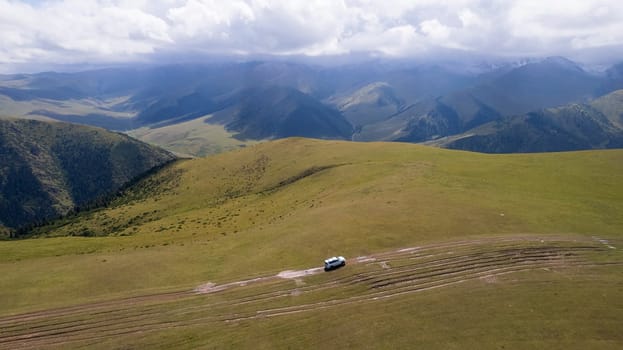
x=193 y=138
x=287 y=205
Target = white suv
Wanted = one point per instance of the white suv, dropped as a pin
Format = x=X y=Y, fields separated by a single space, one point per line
x=334 y=263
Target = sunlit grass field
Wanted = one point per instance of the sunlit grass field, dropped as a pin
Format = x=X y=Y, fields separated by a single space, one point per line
x=192 y=138
x=288 y=204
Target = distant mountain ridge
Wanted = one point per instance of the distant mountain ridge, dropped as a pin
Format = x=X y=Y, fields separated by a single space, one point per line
x=547 y=83
x=279 y=112
x=48 y=168
x=270 y=100
x=596 y=125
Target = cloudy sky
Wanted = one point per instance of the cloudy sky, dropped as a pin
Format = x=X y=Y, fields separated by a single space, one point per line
x=40 y=33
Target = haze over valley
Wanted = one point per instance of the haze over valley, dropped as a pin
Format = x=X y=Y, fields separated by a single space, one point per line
x=228 y=104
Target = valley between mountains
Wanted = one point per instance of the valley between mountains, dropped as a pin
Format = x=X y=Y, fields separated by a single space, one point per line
x=538 y=105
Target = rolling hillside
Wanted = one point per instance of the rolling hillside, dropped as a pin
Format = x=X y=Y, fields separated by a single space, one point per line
x=48 y=168
x=499 y=250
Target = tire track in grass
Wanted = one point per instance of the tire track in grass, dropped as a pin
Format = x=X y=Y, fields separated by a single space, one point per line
x=411 y=270
x=282 y=293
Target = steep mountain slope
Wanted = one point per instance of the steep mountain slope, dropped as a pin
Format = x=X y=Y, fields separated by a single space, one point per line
x=613 y=79
x=548 y=83
x=448 y=116
x=279 y=112
x=572 y=127
x=611 y=105
x=226 y=251
x=50 y=167
x=372 y=103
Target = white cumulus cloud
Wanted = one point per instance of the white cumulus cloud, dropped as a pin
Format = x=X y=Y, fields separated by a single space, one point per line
x=107 y=31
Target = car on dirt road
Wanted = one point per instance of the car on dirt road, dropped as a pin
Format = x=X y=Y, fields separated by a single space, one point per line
x=334 y=263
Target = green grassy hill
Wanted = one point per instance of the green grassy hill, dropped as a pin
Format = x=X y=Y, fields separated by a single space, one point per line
x=195 y=137
x=48 y=168
x=455 y=250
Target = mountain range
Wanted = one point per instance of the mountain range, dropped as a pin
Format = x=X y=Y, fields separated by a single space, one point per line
x=577 y=126
x=376 y=101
